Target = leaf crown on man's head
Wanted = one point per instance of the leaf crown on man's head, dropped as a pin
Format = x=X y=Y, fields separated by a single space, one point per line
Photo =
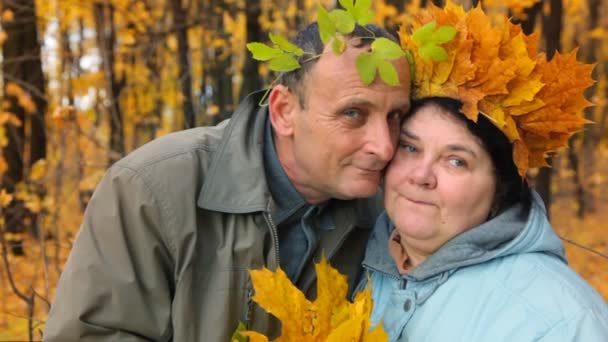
x=494 y=70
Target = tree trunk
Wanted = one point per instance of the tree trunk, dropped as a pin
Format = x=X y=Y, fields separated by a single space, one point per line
x=22 y=66
x=552 y=28
x=251 y=78
x=106 y=39
x=180 y=18
x=219 y=75
x=531 y=13
x=593 y=133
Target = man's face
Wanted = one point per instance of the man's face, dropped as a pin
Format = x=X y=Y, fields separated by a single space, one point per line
x=346 y=132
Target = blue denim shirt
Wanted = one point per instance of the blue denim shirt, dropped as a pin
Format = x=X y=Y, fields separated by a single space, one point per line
x=298 y=222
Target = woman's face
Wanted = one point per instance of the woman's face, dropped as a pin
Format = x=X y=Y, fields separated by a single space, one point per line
x=440 y=182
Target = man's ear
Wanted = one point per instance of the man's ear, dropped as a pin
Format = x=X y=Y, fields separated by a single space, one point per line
x=282 y=105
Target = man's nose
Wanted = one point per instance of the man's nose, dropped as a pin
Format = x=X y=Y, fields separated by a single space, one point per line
x=381 y=140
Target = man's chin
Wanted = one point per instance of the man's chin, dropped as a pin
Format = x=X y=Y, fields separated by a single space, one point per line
x=361 y=190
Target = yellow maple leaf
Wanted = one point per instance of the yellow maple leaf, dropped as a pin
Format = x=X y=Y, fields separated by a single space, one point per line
x=254 y=336
x=276 y=294
x=331 y=317
x=332 y=289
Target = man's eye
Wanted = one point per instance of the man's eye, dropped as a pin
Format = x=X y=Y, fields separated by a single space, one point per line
x=351 y=113
x=395 y=115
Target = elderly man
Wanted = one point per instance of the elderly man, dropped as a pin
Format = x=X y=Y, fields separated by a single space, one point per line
x=172 y=229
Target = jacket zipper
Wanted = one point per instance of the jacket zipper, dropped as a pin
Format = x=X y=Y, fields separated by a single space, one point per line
x=275 y=237
x=249 y=308
x=275 y=240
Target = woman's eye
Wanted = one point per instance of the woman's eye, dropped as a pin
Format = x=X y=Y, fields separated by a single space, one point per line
x=408 y=148
x=457 y=162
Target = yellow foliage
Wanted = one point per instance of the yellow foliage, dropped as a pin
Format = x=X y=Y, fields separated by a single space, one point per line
x=8 y=15
x=5 y=198
x=3 y=165
x=384 y=13
x=38 y=170
x=599 y=33
x=3 y=137
x=23 y=98
x=9 y=118
x=329 y=318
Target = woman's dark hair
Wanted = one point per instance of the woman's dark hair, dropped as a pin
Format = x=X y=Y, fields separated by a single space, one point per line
x=511 y=188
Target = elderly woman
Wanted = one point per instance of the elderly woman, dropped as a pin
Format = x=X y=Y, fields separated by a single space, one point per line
x=464 y=251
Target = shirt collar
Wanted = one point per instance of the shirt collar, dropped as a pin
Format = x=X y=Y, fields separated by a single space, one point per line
x=287 y=199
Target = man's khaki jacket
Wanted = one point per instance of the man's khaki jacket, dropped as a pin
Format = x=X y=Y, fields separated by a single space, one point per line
x=170 y=233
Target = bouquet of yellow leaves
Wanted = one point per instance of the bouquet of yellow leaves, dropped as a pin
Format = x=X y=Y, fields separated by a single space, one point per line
x=331 y=317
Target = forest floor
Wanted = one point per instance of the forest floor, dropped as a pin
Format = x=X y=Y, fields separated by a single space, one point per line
x=30 y=272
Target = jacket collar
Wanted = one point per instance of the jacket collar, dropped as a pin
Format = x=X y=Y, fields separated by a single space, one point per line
x=235 y=182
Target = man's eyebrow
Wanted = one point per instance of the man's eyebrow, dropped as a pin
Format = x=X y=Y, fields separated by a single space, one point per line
x=358 y=102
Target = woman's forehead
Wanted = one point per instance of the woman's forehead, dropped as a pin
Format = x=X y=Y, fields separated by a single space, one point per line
x=433 y=122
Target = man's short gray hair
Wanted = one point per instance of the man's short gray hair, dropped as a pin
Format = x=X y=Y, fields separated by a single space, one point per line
x=309 y=40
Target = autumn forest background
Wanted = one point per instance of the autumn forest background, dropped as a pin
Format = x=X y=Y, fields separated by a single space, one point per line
x=83 y=82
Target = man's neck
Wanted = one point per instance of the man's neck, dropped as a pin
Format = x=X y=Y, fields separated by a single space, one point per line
x=287 y=161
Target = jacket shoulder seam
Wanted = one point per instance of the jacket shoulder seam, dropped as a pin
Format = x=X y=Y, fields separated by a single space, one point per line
x=162 y=208
x=136 y=168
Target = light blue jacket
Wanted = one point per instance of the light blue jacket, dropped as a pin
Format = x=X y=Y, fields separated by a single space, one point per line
x=505 y=280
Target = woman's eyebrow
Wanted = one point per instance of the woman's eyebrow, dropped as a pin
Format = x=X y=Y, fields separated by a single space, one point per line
x=409 y=134
x=462 y=148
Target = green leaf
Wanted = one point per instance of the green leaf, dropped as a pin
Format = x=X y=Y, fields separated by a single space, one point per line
x=284 y=62
x=284 y=44
x=433 y=52
x=237 y=333
x=363 y=12
x=385 y=48
x=347 y=4
x=327 y=28
x=423 y=34
x=444 y=34
x=343 y=21
x=263 y=52
x=338 y=45
x=366 y=67
x=410 y=61
x=388 y=73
